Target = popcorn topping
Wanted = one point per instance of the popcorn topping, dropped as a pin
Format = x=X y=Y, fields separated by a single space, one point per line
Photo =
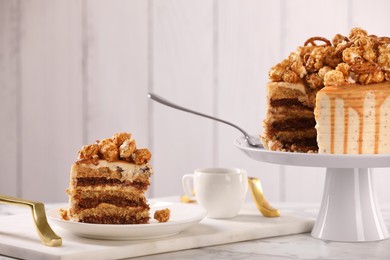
x=162 y=215
x=119 y=147
x=359 y=58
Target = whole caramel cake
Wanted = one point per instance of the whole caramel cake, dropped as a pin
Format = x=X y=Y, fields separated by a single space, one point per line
x=108 y=183
x=354 y=120
x=331 y=98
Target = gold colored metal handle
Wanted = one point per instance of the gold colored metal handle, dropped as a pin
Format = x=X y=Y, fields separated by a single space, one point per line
x=45 y=233
x=261 y=202
x=186 y=199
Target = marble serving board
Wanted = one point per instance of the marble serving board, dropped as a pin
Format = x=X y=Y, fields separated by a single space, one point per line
x=19 y=239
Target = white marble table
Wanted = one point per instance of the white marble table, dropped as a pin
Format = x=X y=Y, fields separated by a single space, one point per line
x=301 y=246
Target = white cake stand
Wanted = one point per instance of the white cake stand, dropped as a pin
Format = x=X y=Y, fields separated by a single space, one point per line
x=349 y=210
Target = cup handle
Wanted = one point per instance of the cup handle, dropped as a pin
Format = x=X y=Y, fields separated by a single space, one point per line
x=188 y=184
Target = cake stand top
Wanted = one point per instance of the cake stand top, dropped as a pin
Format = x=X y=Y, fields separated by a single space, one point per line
x=314 y=159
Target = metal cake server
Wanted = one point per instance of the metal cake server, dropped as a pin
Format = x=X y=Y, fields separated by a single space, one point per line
x=252 y=140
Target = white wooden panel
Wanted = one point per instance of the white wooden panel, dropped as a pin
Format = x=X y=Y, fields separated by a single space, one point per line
x=10 y=96
x=51 y=96
x=248 y=45
x=374 y=17
x=371 y=16
x=116 y=83
x=115 y=35
x=304 y=19
x=182 y=54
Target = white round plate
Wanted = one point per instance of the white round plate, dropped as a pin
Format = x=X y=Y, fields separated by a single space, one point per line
x=314 y=159
x=183 y=216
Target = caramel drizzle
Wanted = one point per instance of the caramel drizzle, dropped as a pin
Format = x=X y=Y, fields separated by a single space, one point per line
x=346 y=121
x=332 y=122
x=377 y=121
x=379 y=100
x=361 y=128
x=358 y=105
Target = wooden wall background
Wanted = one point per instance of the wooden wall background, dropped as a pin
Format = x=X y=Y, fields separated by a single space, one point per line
x=75 y=71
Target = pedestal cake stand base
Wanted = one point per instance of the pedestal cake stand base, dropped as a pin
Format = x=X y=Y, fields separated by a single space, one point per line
x=349 y=210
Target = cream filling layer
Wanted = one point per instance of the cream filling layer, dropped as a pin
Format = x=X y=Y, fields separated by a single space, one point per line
x=127 y=171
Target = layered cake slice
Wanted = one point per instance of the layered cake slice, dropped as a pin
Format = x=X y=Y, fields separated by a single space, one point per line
x=108 y=183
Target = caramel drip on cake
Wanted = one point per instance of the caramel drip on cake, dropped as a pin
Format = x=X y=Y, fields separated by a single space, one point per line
x=332 y=122
x=358 y=99
x=379 y=99
x=334 y=93
x=361 y=128
x=346 y=123
x=377 y=122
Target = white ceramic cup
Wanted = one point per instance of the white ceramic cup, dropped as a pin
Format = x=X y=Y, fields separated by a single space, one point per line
x=221 y=191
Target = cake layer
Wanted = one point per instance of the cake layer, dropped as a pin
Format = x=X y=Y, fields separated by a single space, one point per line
x=118 y=190
x=305 y=145
x=92 y=192
x=354 y=119
x=291 y=124
x=114 y=170
x=101 y=181
x=284 y=93
x=292 y=136
x=288 y=102
x=110 y=214
x=119 y=201
x=281 y=113
x=115 y=219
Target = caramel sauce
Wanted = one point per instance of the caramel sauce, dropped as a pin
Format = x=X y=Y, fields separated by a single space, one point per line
x=346 y=120
x=353 y=97
x=332 y=122
x=379 y=100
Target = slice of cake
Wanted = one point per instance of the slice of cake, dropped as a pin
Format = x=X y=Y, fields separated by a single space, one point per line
x=108 y=183
x=336 y=75
x=290 y=122
x=354 y=119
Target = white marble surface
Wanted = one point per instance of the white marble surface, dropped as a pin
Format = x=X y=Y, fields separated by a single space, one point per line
x=301 y=246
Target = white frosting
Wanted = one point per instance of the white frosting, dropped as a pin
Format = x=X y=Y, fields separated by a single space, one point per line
x=339 y=126
x=384 y=130
x=353 y=131
x=324 y=126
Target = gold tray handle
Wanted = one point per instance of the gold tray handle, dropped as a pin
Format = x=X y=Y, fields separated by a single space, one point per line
x=261 y=202
x=45 y=233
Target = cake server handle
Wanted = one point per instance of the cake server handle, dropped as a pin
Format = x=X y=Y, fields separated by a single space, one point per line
x=251 y=140
x=45 y=233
